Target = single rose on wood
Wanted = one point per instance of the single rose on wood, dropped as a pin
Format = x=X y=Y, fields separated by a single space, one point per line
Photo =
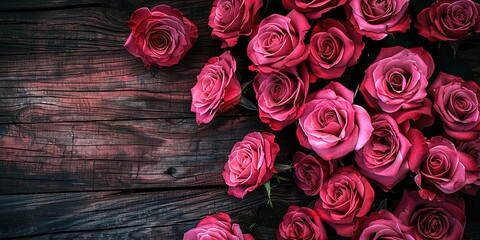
x=313 y=9
x=231 y=19
x=301 y=223
x=160 y=36
x=218 y=226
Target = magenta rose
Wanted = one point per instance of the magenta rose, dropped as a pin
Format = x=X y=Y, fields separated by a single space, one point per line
x=250 y=163
x=301 y=223
x=334 y=46
x=457 y=103
x=160 y=36
x=383 y=225
x=396 y=83
x=449 y=20
x=281 y=96
x=279 y=42
x=231 y=19
x=444 y=168
x=217 y=89
x=344 y=197
x=218 y=226
x=311 y=171
x=313 y=9
x=472 y=148
x=440 y=220
x=331 y=125
x=377 y=19
x=384 y=158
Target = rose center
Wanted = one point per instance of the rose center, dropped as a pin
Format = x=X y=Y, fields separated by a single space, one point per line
x=328 y=49
x=160 y=40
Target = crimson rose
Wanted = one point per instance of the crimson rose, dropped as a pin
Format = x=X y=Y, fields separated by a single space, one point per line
x=161 y=36
x=383 y=225
x=218 y=226
x=301 y=223
x=313 y=9
x=311 y=171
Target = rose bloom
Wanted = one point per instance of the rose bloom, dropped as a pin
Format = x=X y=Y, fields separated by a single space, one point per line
x=313 y=9
x=449 y=20
x=281 y=96
x=301 y=223
x=160 y=36
x=345 y=197
x=457 y=103
x=217 y=89
x=250 y=163
x=311 y=171
x=472 y=148
x=384 y=158
x=396 y=83
x=441 y=220
x=444 y=167
x=377 y=19
x=334 y=46
x=331 y=125
x=230 y=19
x=383 y=225
x=278 y=42
x=218 y=226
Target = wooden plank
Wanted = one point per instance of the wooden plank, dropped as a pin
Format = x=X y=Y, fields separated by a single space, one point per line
x=105 y=155
x=136 y=215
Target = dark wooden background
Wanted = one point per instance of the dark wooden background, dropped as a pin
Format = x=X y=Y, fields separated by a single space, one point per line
x=92 y=145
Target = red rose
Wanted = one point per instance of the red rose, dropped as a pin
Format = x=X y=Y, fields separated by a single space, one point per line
x=331 y=125
x=281 y=96
x=334 y=46
x=444 y=167
x=218 y=226
x=217 y=89
x=311 y=171
x=377 y=19
x=396 y=83
x=457 y=103
x=472 y=148
x=384 y=158
x=301 y=223
x=161 y=36
x=345 y=197
x=313 y=9
x=383 y=225
x=278 y=42
x=250 y=163
x=442 y=220
x=449 y=20
x=232 y=18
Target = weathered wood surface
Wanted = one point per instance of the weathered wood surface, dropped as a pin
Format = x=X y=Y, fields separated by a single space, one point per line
x=92 y=145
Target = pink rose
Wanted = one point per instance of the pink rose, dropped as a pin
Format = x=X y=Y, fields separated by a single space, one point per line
x=217 y=89
x=383 y=225
x=331 y=125
x=218 y=226
x=377 y=19
x=232 y=18
x=345 y=197
x=449 y=20
x=281 y=96
x=311 y=171
x=313 y=9
x=278 y=42
x=457 y=103
x=396 y=83
x=384 y=158
x=301 y=223
x=441 y=220
x=161 y=36
x=444 y=168
x=334 y=46
x=250 y=163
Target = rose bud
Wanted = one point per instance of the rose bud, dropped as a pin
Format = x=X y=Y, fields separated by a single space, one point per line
x=250 y=163
x=383 y=225
x=311 y=171
x=160 y=36
x=449 y=20
x=301 y=223
x=313 y=9
x=218 y=226
x=231 y=19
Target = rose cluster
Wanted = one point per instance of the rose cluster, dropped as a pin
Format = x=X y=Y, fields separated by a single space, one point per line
x=355 y=143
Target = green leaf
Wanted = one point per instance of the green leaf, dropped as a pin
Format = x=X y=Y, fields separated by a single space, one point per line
x=245 y=85
x=244 y=102
x=454 y=45
x=398 y=39
x=269 y=190
x=382 y=205
x=282 y=167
